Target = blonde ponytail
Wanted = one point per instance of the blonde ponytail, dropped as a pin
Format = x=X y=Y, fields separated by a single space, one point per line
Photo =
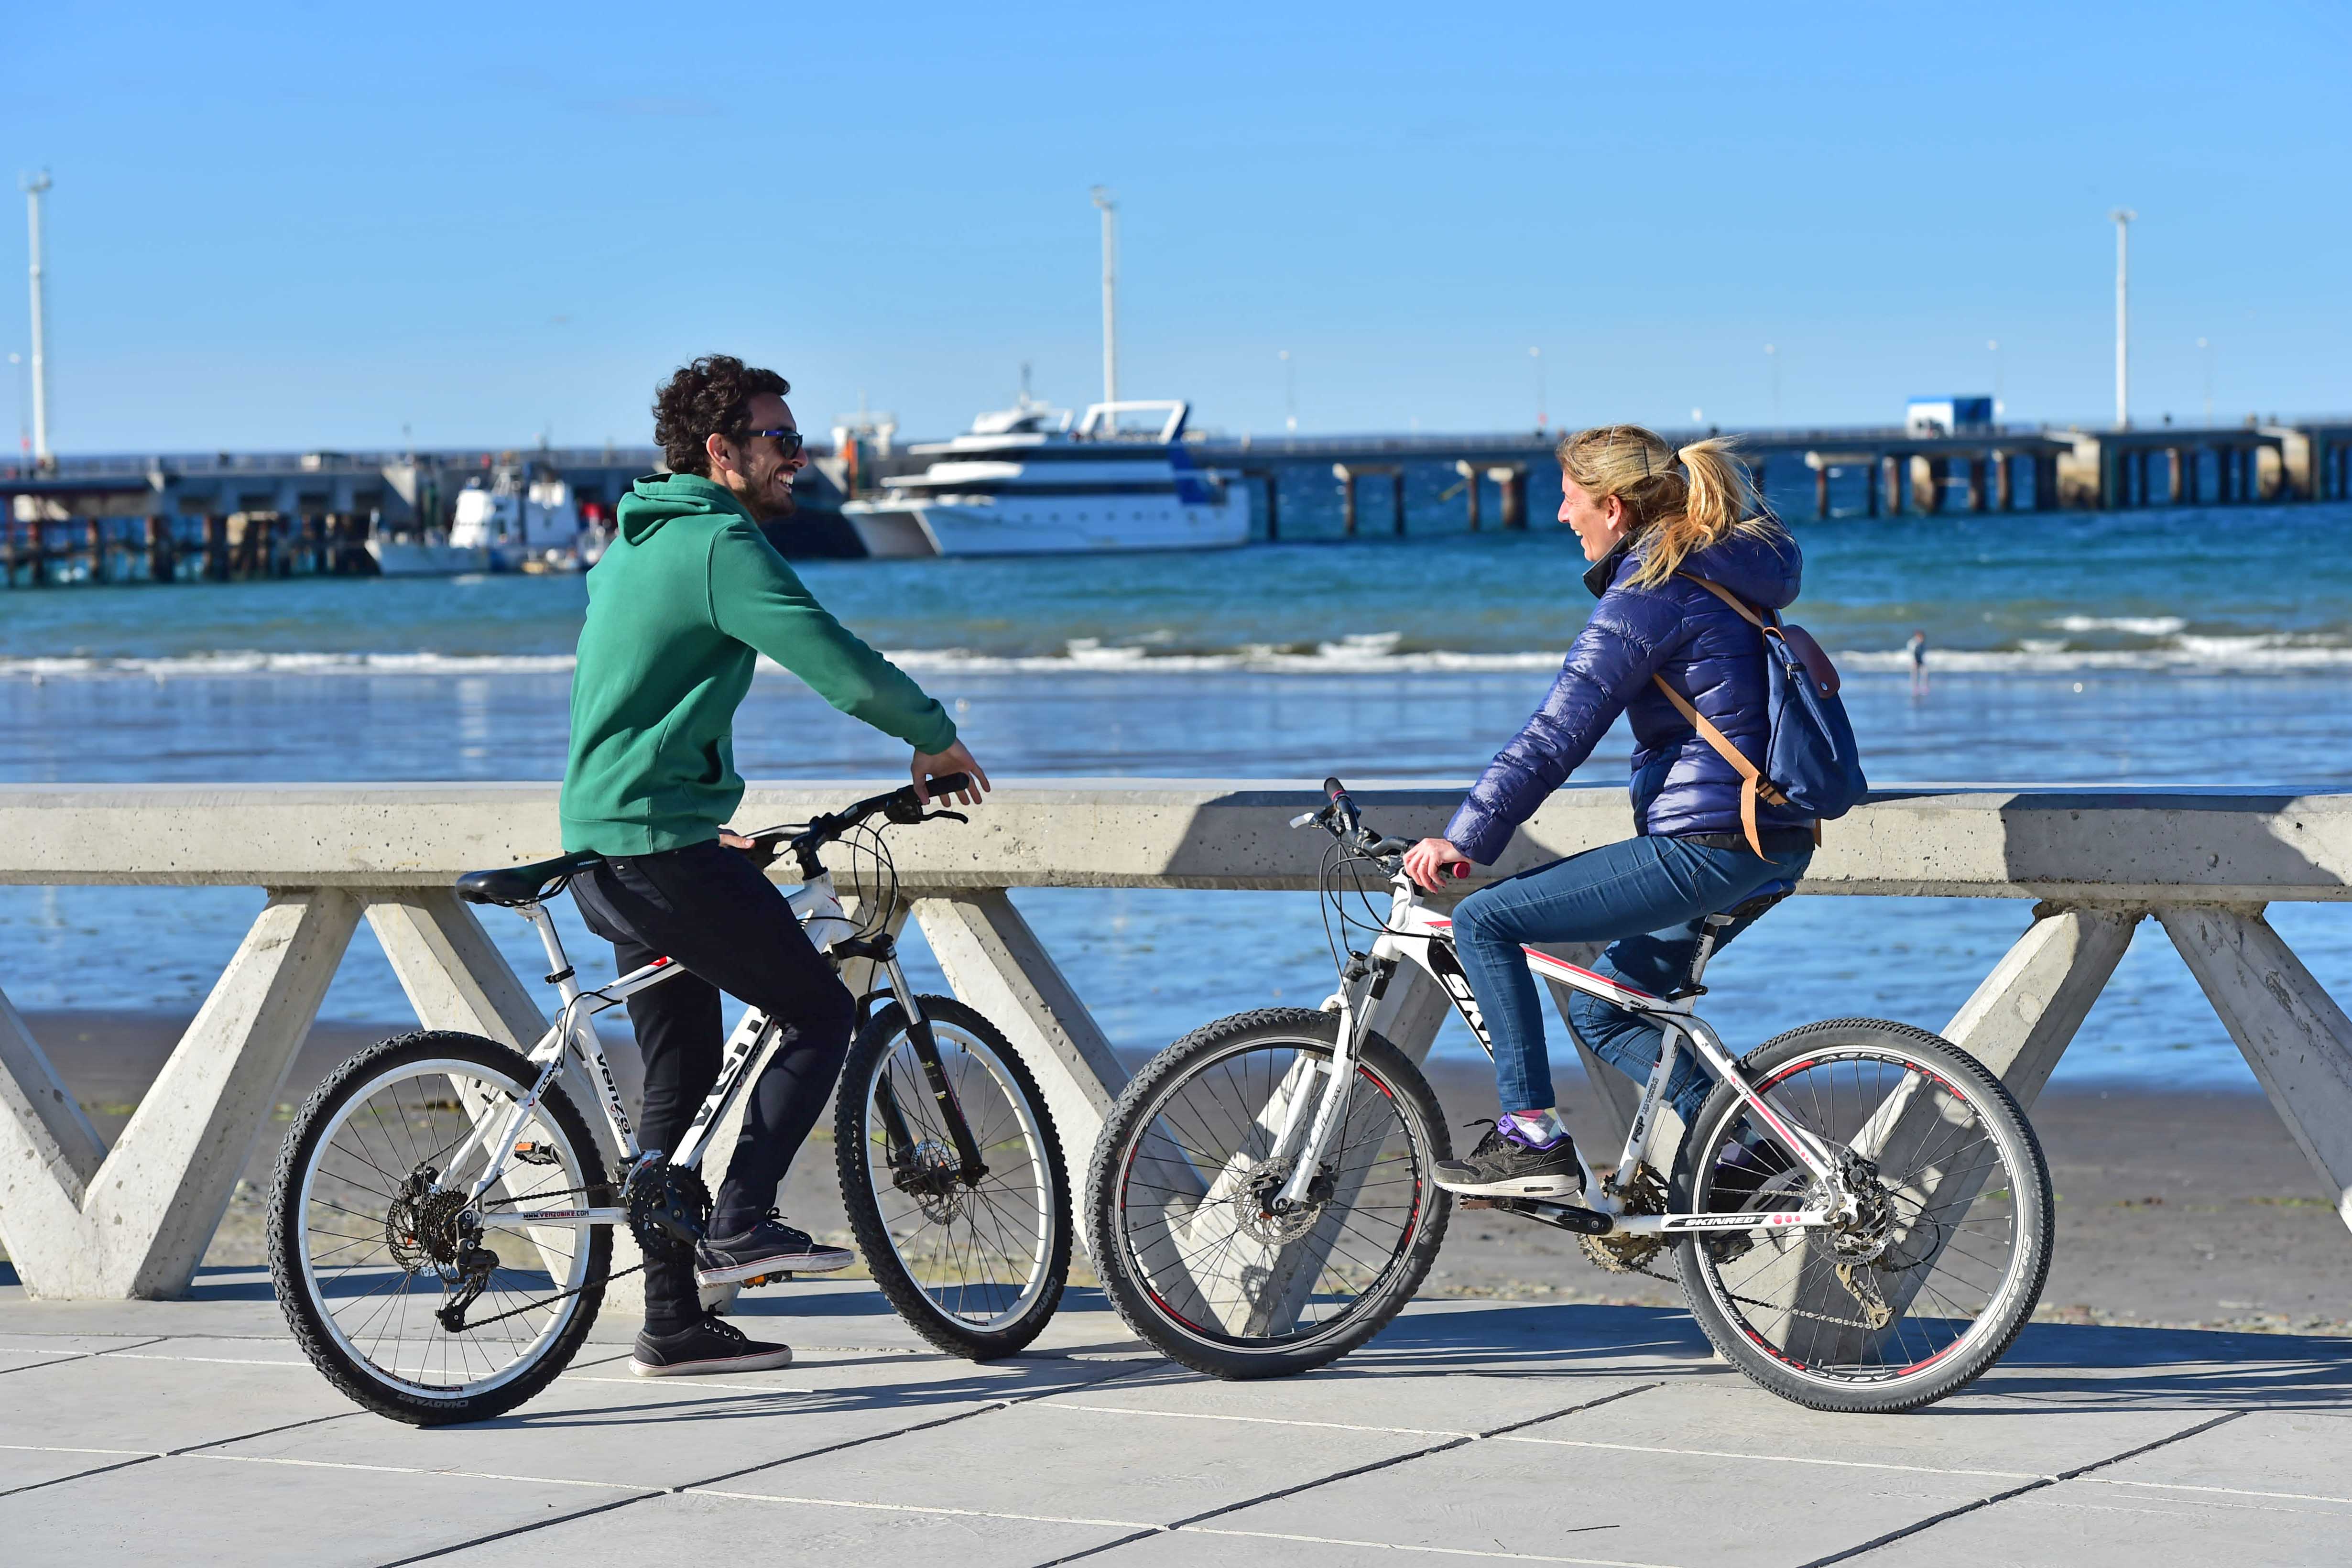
x=1675 y=514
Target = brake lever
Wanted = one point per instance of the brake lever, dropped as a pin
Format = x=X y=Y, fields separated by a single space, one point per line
x=947 y=816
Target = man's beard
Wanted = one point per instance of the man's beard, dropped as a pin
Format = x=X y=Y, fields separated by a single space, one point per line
x=774 y=510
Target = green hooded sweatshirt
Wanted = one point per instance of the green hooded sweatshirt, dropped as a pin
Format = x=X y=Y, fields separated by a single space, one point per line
x=686 y=598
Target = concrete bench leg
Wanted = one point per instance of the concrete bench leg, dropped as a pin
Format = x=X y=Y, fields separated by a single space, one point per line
x=457 y=978
x=145 y=1215
x=2294 y=1035
x=996 y=964
x=2018 y=1023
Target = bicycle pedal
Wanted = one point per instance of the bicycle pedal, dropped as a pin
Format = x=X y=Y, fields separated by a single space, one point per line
x=536 y=1153
x=758 y=1279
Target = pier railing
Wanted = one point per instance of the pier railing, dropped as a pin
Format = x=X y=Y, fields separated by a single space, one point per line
x=79 y=1219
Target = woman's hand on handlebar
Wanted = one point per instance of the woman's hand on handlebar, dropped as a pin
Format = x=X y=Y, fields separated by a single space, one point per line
x=929 y=765
x=1433 y=861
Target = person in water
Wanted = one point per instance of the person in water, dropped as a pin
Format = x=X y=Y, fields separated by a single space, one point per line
x=1657 y=524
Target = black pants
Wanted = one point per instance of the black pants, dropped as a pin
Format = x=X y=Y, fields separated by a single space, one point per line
x=707 y=909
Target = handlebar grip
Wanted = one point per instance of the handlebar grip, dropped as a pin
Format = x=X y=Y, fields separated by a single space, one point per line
x=1334 y=788
x=1457 y=870
x=950 y=783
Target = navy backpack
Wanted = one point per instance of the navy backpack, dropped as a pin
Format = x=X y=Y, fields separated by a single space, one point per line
x=1811 y=763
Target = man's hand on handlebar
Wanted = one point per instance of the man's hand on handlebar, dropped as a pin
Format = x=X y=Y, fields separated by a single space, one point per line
x=929 y=765
x=1433 y=861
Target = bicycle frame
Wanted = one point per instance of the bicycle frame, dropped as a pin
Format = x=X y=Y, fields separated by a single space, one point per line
x=819 y=909
x=1413 y=934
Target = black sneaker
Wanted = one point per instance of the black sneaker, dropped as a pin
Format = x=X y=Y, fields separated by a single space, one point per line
x=768 y=1247
x=1502 y=1167
x=711 y=1346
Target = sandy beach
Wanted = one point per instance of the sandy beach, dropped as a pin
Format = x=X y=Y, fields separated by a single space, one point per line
x=2174 y=1209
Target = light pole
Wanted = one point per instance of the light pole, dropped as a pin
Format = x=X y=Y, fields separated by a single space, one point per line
x=1543 y=414
x=1289 y=392
x=1109 y=210
x=1772 y=358
x=1993 y=347
x=34 y=186
x=2123 y=216
x=2205 y=353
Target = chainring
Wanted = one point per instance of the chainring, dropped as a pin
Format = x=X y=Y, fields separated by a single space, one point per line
x=662 y=1200
x=1619 y=1253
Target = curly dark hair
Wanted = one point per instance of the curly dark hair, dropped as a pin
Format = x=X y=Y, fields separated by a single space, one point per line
x=712 y=396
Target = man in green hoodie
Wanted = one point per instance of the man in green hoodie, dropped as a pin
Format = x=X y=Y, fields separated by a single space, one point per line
x=686 y=598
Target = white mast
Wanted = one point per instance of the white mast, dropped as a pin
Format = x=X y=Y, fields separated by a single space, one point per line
x=1109 y=209
x=2123 y=216
x=34 y=186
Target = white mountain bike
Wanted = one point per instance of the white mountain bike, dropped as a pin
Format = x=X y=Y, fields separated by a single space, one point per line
x=1860 y=1214
x=440 y=1225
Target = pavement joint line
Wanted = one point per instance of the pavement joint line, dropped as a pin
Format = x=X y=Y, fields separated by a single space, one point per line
x=731 y=1475
x=2227 y=1491
x=577 y=1513
x=653 y=1384
x=925 y=1508
x=81 y=1475
x=1777 y=1458
x=62 y=1357
x=1396 y=1459
x=60 y=1449
x=1262 y=1420
x=265 y=1432
x=1435 y=1551
x=1933 y=1520
x=209 y=1360
x=413 y=1470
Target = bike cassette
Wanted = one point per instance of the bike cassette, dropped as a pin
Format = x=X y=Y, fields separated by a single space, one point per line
x=1618 y=1252
x=669 y=1210
x=421 y=1228
x=1254 y=1205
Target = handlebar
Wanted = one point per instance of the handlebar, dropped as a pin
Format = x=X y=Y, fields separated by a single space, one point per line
x=899 y=805
x=1344 y=821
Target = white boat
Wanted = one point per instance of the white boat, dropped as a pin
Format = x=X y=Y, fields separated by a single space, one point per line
x=1022 y=482
x=523 y=524
x=428 y=555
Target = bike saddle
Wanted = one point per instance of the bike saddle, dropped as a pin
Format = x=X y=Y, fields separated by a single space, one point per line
x=513 y=885
x=1763 y=898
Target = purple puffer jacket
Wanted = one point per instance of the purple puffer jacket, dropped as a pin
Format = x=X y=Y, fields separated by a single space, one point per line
x=1703 y=650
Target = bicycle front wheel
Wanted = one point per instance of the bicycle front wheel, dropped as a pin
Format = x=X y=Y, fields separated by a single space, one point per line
x=1929 y=1281
x=975 y=1264
x=378 y=1247
x=1193 y=1252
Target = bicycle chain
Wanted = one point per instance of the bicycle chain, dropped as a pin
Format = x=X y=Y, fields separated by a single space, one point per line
x=560 y=1295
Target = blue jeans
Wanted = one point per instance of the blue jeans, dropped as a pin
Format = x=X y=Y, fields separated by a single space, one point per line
x=1664 y=888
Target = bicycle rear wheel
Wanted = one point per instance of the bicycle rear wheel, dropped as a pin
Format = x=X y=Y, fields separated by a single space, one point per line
x=975 y=1266
x=374 y=1235
x=1922 y=1291
x=1177 y=1197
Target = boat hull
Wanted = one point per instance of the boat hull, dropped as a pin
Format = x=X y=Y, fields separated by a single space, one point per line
x=412 y=558
x=1081 y=526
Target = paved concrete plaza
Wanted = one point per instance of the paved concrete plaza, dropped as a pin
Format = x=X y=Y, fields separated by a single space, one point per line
x=193 y=1432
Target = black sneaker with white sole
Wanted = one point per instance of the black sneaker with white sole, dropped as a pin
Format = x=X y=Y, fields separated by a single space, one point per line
x=1503 y=1166
x=711 y=1346
x=768 y=1247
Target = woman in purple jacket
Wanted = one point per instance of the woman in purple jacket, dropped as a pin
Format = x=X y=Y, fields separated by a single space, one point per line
x=1652 y=519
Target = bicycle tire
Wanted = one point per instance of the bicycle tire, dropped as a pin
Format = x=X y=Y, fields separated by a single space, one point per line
x=1010 y=1331
x=1107 y=1179
x=2026 y=1183
x=308 y=1315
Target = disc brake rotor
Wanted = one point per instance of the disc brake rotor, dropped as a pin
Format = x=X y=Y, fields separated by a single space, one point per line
x=1254 y=1210
x=932 y=1174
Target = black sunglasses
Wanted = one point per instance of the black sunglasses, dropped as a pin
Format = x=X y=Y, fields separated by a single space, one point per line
x=788 y=440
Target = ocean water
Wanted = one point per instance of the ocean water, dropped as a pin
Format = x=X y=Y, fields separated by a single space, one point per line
x=2193 y=646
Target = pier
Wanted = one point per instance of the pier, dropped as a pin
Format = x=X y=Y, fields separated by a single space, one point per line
x=233 y=517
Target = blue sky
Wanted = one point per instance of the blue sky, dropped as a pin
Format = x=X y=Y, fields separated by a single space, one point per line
x=298 y=226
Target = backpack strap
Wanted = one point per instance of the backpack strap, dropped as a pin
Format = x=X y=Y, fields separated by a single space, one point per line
x=1738 y=604
x=1752 y=781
